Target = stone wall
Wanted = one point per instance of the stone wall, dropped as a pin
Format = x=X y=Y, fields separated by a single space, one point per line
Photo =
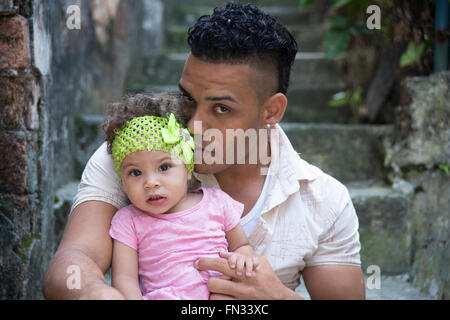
x=419 y=156
x=49 y=75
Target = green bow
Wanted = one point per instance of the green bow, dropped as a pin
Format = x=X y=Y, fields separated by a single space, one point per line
x=173 y=134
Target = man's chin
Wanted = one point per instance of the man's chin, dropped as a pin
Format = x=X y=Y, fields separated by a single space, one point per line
x=210 y=168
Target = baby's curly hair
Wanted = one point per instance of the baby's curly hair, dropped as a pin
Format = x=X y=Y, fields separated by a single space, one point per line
x=138 y=105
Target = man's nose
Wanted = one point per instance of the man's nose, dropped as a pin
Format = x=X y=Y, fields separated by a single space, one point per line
x=197 y=124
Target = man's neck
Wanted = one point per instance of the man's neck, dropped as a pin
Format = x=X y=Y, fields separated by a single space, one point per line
x=241 y=174
x=246 y=175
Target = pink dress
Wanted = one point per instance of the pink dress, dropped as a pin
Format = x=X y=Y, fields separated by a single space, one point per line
x=168 y=244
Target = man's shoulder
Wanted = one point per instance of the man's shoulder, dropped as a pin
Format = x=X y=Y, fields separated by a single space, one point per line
x=324 y=190
x=101 y=155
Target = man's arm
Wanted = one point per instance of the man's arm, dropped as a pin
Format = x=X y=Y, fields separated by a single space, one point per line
x=334 y=282
x=87 y=245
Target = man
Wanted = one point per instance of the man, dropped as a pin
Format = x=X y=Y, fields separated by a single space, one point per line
x=298 y=219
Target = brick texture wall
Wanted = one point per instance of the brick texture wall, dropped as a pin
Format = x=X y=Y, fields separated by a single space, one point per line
x=49 y=75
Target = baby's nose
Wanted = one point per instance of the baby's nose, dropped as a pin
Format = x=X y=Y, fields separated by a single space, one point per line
x=151 y=182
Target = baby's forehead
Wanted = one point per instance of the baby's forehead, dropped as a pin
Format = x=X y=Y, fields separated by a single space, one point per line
x=153 y=156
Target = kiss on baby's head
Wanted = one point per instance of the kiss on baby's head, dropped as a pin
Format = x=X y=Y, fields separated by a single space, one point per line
x=152 y=150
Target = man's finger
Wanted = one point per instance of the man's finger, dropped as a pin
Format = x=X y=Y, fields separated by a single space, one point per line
x=217 y=296
x=216 y=264
x=224 y=254
x=224 y=277
x=226 y=287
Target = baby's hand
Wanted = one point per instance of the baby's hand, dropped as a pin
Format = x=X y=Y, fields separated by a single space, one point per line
x=240 y=261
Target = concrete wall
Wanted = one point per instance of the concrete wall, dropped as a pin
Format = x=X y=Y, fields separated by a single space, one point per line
x=419 y=156
x=49 y=75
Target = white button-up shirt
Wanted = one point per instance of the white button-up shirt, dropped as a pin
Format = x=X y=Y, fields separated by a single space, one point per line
x=307 y=219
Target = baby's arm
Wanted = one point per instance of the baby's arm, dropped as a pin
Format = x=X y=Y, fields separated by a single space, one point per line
x=124 y=272
x=240 y=253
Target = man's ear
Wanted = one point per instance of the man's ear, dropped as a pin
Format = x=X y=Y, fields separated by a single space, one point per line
x=274 y=108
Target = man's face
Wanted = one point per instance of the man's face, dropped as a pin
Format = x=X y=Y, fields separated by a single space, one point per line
x=221 y=96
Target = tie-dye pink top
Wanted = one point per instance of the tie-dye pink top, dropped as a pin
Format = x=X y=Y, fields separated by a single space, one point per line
x=168 y=244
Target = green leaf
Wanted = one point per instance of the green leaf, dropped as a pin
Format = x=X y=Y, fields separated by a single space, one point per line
x=412 y=54
x=337 y=22
x=356 y=98
x=339 y=99
x=303 y=4
x=340 y=3
x=336 y=42
x=445 y=168
x=359 y=28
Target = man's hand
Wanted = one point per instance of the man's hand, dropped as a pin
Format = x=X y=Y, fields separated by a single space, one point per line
x=262 y=285
x=240 y=262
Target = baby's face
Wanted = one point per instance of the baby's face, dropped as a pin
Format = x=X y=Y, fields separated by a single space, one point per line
x=154 y=181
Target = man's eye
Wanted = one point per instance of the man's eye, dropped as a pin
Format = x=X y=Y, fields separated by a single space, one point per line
x=164 y=167
x=135 y=173
x=221 y=109
x=188 y=98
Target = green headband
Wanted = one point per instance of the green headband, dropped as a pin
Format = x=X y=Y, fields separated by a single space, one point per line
x=149 y=133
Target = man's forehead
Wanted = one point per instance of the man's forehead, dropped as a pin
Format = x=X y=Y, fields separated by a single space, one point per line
x=195 y=66
x=220 y=77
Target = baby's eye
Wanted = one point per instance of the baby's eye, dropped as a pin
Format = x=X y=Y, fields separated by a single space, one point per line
x=135 y=173
x=164 y=167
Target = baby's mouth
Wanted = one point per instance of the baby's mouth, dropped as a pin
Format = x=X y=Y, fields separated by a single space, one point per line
x=156 y=200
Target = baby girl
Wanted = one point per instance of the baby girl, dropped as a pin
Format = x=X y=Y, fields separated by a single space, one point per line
x=167 y=226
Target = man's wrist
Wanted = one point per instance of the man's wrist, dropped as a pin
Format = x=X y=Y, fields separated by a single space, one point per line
x=291 y=295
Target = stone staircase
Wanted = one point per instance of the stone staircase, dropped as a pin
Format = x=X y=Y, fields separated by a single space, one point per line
x=353 y=154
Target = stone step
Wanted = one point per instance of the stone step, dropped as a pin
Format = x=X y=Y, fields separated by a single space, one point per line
x=384 y=227
x=310 y=105
x=186 y=15
x=313 y=70
x=310 y=70
x=309 y=37
x=213 y=3
x=395 y=287
x=347 y=152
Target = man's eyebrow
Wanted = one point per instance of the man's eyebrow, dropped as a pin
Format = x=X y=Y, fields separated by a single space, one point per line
x=184 y=91
x=221 y=98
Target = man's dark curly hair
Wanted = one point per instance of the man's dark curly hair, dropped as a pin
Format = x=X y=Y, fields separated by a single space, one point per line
x=241 y=32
